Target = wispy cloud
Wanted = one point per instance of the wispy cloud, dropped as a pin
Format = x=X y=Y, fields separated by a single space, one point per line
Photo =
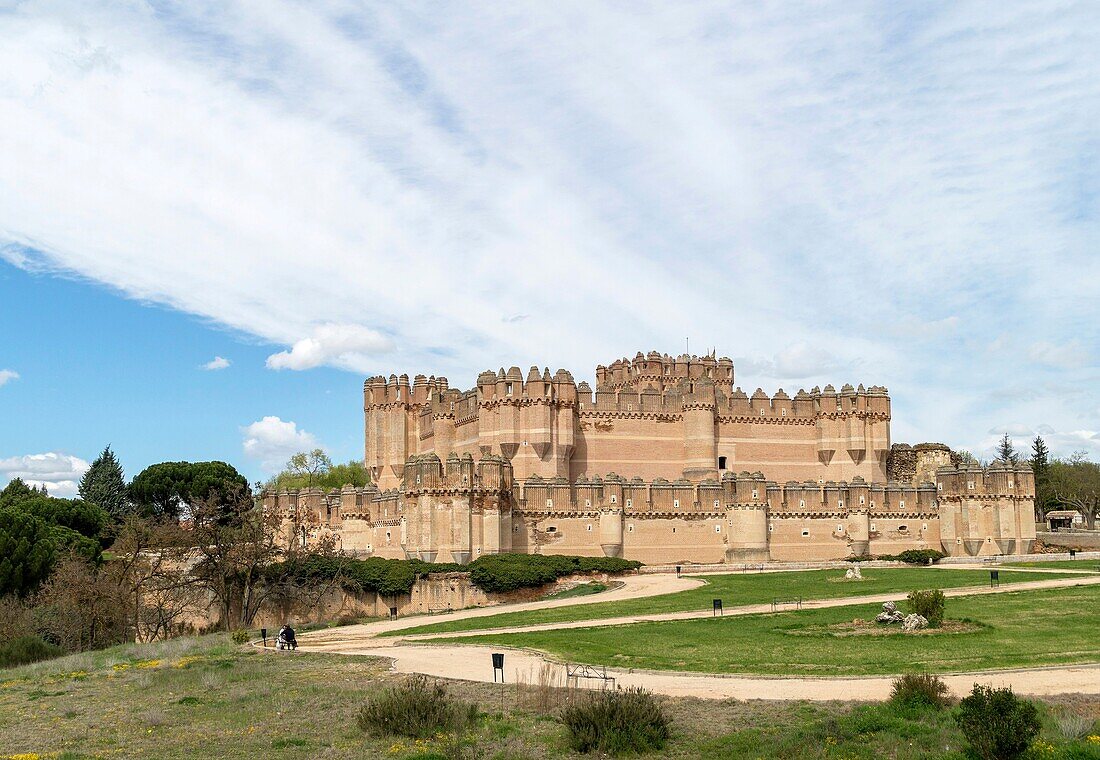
x=218 y=362
x=753 y=177
x=7 y=375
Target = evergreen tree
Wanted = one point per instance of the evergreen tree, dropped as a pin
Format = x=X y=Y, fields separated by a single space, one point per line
x=105 y=486
x=1006 y=452
x=1040 y=466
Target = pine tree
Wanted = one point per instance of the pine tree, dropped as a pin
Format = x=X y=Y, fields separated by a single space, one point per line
x=1040 y=465
x=105 y=486
x=1006 y=452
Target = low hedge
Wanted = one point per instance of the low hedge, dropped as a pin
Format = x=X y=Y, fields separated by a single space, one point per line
x=492 y=572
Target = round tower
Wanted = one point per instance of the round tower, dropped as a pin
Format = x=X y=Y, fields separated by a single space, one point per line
x=611 y=532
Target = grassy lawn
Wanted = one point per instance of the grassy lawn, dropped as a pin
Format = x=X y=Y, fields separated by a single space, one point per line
x=1019 y=629
x=744 y=588
x=208 y=698
x=1091 y=565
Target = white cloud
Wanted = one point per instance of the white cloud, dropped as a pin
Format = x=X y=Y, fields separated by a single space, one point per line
x=345 y=346
x=7 y=375
x=1070 y=355
x=59 y=472
x=766 y=175
x=217 y=363
x=271 y=442
x=797 y=361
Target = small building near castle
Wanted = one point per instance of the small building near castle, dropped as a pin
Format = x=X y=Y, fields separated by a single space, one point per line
x=667 y=461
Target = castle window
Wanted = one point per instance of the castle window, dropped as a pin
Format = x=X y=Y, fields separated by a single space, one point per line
x=717 y=528
x=840 y=529
x=676 y=503
x=939 y=486
x=387 y=536
x=549 y=503
x=1011 y=484
x=508 y=389
x=755 y=494
x=903 y=529
x=873 y=528
x=721 y=463
x=717 y=504
x=801 y=503
x=805 y=533
x=783 y=411
x=970 y=485
x=924 y=526
x=862 y=499
x=614 y=499
x=840 y=503
x=589 y=527
x=552 y=529
x=629 y=528
x=761 y=412
x=903 y=503
x=479 y=550
x=630 y=502
x=770 y=527
x=588 y=502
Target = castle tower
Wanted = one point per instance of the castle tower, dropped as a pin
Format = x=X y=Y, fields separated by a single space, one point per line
x=747 y=516
x=986 y=511
x=700 y=447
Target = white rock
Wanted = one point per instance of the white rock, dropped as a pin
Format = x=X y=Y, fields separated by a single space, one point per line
x=853 y=574
x=914 y=622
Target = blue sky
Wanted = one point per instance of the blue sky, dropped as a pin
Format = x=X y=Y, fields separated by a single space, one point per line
x=897 y=194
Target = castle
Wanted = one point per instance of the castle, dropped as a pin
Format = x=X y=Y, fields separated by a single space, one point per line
x=667 y=462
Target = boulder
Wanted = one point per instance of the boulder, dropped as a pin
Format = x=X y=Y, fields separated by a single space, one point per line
x=890 y=615
x=853 y=574
x=914 y=622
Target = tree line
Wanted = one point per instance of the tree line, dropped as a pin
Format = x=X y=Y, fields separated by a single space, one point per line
x=1071 y=483
x=125 y=561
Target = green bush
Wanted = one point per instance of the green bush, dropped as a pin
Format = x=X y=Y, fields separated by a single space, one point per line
x=920 y=690
x=997 y=724
x=491 y=572
x=614 y=722
x=240 y=636
x=928 y=604
x=920 y=556
x=25 y=650
x=508 y=572
x=416 y=708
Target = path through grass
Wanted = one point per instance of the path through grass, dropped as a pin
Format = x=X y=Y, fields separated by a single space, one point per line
x=1014 y=630
x=744 y=588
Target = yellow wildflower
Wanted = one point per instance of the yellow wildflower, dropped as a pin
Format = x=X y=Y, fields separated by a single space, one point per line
x=148 y=664
x=1094 y=739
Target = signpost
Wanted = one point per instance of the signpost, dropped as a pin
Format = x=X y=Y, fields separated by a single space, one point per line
x=263 y=632
x=994 y=578
x=717 y=607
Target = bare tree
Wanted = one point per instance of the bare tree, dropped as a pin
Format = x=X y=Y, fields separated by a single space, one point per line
x=1075 y=484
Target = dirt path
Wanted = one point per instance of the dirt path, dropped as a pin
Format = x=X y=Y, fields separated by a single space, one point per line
x=471 y=662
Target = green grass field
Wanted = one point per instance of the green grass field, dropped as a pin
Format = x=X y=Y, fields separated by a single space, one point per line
x=744 y=588
x=205 y=697
x=1088 y=565
x=1019 y=629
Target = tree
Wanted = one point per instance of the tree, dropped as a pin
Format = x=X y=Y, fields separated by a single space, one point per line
x=169 y=489
x=1075 y=484
x=105 y=486
x=337 y=476
x=18 y=491
x=1040 y=466
x=26 y=552
x=309 y=466
x=236 y=544
x=82 y=517
x=1006 y=452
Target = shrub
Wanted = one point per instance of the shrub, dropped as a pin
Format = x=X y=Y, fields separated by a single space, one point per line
x=240 y=636
x=920 y=690
x=997 y=724
x=416 y=708
x=920 y=556
x=25 y=650
x=928 y=604
x=614 y=722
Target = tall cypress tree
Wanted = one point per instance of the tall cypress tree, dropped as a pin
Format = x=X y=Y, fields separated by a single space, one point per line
x=105 y=486
x=1040 y=465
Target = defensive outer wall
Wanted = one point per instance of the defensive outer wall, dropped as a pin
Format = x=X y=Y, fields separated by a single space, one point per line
x=529 y=465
